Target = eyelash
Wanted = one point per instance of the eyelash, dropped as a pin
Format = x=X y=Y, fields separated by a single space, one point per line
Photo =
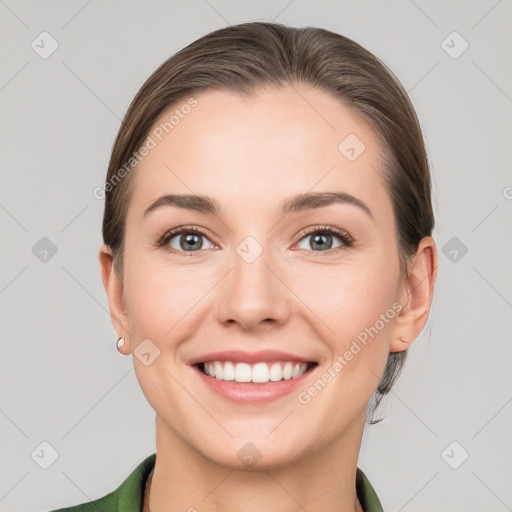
x=345 y=238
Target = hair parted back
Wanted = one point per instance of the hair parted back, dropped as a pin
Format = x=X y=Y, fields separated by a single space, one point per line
x=246 y=57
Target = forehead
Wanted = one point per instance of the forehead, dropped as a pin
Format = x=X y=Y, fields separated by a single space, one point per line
x=260 y=149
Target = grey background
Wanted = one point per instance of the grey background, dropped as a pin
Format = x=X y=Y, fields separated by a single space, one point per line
x=62 y=380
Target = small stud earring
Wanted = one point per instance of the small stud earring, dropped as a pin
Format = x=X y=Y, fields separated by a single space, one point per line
x=403 y=338
x=120 y=343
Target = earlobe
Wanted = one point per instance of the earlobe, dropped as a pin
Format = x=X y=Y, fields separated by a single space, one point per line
x=114 y=290
x=415 y=296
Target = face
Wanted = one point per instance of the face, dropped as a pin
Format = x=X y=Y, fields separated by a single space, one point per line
x=263 y=278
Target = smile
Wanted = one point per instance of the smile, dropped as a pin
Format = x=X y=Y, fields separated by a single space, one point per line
x=255 y=383
x=260 y=373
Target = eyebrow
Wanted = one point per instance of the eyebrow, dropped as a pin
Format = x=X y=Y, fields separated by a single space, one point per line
x=299 y=202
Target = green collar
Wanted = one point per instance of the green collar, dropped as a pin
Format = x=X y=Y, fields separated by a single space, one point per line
x=128 y=497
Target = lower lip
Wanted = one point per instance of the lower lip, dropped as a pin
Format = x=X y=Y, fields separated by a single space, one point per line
x=251 y=392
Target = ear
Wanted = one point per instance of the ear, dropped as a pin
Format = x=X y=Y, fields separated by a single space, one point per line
x=415 y=296
x=114 y=289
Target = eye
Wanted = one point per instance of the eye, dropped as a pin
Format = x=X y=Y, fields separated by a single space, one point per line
x=190 y=239
x=185 y=239
x=322 y=238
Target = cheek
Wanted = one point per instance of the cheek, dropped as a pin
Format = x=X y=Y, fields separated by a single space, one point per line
x=353 y=303
x=162 y=300
x=356 y=312
x=349 y=297
x=164 y=306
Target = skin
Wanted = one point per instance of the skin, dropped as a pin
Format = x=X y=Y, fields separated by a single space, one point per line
x=250 y=154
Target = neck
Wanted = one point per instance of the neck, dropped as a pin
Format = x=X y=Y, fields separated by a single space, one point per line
x=183 y=479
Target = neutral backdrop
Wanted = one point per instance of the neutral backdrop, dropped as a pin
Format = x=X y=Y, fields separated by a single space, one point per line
x=445 y=444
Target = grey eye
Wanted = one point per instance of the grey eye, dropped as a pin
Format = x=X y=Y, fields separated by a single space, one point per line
x=320 y=241
x=188 y=241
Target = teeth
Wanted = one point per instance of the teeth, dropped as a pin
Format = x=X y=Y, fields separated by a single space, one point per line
x=229 y=371
x=259 y=372
x=242 y=372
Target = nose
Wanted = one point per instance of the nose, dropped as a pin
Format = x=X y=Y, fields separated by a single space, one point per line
x=254 y=293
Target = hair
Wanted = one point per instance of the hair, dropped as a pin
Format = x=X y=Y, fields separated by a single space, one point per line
x=247 y=57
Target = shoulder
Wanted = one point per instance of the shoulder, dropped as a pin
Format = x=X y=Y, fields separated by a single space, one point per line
x=366 y=493
x=128 y=497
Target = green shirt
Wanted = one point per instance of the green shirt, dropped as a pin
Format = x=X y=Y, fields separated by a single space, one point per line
x=129 y=496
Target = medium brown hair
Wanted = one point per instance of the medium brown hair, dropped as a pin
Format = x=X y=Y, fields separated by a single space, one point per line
x=249 y=56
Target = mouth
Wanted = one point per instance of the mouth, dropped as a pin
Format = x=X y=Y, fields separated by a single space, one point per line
x=261 y=372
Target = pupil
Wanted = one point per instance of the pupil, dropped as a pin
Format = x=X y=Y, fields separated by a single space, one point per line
x=323 y=244
x=190 y=241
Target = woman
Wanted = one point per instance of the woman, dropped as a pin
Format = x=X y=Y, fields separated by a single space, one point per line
x=268 y=261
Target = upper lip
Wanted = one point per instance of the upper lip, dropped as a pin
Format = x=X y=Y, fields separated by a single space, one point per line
x=249 y=357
